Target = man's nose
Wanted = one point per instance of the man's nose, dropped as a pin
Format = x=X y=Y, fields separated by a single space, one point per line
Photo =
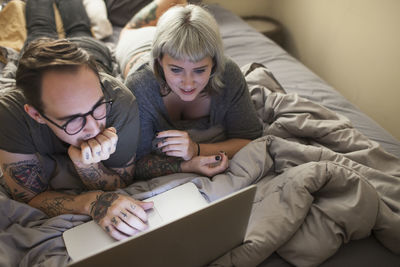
x=92 y=125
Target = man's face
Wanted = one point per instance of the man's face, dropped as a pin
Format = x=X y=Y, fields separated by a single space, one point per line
x=67 y=94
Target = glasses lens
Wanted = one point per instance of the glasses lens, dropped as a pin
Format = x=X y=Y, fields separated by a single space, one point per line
x=101 y=111
x=75 y=125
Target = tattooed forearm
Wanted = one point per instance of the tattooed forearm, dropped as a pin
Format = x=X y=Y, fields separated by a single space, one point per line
x=92 y=177
x=99 y=177
x=154 y=165
x=127 y=173
x=100 y=206
x=29 y=175
x=144 y=16
x=56 y=206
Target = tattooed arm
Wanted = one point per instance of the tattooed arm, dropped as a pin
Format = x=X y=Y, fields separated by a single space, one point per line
x=148 y=15
x=96 y=176
x=88 y=159
x=23 y=175
x=119 y=215
x=153 y=165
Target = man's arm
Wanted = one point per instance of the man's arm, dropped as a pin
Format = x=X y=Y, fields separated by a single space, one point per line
x=96 y=176
x=119 y=215
x=26 y=182
x=88 y=162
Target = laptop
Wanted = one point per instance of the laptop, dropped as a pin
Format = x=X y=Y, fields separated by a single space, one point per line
x=184 y=230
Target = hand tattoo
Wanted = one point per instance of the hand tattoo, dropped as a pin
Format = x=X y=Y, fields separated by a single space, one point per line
x=100 y=207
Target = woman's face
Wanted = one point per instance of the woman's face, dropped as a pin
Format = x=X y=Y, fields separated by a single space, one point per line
x=185 y=78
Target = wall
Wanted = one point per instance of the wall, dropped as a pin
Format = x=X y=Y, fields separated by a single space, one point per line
x=353 y=45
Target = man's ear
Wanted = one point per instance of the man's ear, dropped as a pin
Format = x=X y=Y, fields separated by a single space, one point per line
x=33 y=113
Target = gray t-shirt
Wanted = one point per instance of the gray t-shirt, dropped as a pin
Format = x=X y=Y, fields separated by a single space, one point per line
x=19 y=133
x=232 y=114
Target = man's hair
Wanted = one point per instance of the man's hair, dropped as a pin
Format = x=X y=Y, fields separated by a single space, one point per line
x=43 y=55
x=188 y=32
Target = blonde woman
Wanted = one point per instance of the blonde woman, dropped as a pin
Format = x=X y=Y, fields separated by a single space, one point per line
x=193 y=101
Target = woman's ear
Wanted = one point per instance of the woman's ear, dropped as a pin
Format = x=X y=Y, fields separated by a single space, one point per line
x=33 y=113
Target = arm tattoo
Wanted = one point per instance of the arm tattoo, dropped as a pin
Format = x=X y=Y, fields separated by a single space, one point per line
x=126 y=175
x=100 y=206
x=154 y=165
x=92 y=177
x=56 y=206
x=144 y=16
x=28 y=174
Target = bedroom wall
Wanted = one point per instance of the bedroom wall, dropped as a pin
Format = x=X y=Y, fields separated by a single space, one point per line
x=353 y=45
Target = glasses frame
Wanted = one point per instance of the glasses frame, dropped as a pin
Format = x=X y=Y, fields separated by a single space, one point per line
x=64 y=126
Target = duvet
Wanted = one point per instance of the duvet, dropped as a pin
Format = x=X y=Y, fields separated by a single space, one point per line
x=320 y=183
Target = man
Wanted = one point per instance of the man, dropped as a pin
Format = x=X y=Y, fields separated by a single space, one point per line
x=69 y=127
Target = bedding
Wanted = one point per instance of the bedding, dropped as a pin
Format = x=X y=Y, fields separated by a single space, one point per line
x=327 y=176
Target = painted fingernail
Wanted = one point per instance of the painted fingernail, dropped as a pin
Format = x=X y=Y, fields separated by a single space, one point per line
x=157 y=134
x=98 y=153
x=218 y=157
x=109 y=149
x=87 y=155
x=107 y=229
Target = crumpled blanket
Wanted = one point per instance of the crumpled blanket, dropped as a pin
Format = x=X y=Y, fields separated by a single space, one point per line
x=320 y=183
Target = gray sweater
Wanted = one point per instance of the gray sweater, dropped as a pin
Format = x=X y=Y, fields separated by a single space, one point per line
x=232 y=114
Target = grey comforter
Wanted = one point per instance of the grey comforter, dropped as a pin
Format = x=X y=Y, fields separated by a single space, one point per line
x=320 y=183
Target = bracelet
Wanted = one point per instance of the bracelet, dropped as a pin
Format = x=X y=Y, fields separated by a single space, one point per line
x=198 y=149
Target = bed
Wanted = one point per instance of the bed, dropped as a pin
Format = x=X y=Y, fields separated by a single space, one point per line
x=327 y=176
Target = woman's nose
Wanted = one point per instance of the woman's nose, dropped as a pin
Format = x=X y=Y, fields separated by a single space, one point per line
x=188 y=82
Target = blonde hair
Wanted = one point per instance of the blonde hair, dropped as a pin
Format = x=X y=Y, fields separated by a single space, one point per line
x=188 y=32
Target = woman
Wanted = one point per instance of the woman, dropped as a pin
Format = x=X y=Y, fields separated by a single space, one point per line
x=192 y=99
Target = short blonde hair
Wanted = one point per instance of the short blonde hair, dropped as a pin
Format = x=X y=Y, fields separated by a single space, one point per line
x=188 y=32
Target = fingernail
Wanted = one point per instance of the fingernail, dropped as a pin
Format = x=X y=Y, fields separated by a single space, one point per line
x=218 y=157
x=87 y=155
x=157 y=134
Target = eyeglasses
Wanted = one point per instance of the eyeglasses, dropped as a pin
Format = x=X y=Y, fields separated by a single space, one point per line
x=75 y=124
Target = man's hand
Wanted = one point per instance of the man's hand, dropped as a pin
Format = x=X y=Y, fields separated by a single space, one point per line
x=119 y=215
x=207 y=165
x=96 y=149
x=177 y=143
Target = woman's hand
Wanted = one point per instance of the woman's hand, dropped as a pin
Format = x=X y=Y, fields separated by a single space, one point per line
x=177 y=144
x=206 y=165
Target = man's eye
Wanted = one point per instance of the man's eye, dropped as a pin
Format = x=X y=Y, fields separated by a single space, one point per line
x=175 y=70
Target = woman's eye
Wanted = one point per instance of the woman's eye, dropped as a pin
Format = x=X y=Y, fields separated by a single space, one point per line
x=175 y=70
x=200 y=71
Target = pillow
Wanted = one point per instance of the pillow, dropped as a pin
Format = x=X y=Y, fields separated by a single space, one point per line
x=97 y=13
